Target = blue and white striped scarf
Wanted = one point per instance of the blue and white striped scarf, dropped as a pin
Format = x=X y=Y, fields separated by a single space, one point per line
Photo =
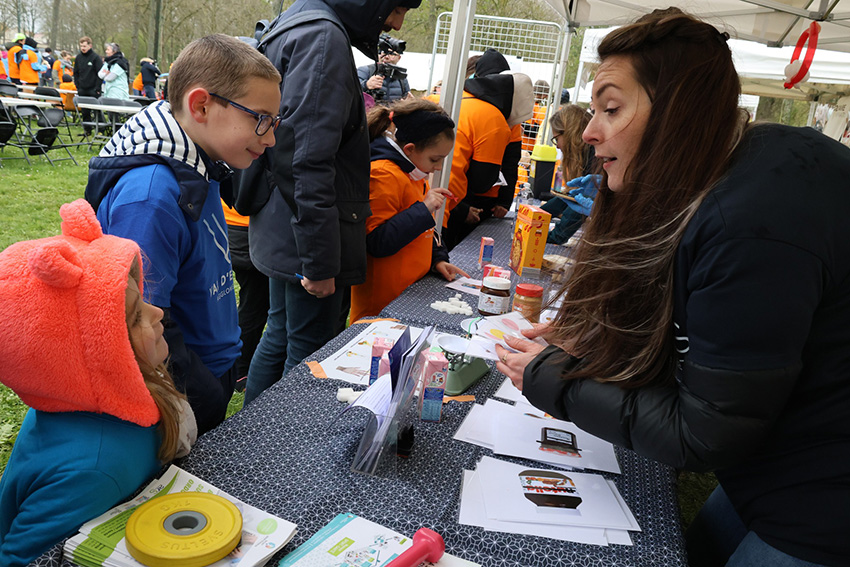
x=154 y=130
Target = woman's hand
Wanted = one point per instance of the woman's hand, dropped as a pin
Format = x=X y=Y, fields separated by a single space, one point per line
x=449 y=271
x=512 y=364
x=435 y=198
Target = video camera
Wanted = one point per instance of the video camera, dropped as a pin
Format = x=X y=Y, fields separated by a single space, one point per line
x=391 y=72
x=389 y=44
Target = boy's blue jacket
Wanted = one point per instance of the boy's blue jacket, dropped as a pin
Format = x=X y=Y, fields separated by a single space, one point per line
x=152 y=184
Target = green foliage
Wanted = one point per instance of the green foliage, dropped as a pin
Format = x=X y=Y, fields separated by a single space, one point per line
x=783 y=111
x=693 y=489
x=12 y=412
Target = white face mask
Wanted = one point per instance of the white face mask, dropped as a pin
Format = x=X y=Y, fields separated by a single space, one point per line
x=417 y=174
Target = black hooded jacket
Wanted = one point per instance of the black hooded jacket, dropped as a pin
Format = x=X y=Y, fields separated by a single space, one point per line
x=314 y=223
x=149 y=73
x=489 y=85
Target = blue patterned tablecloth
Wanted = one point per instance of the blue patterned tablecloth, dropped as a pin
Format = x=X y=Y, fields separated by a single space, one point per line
x=286 y=454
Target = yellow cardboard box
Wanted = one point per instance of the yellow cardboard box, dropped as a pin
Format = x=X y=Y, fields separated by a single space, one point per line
x=529 y=240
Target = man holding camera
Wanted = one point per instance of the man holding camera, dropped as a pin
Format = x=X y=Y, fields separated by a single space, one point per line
x=386 y=82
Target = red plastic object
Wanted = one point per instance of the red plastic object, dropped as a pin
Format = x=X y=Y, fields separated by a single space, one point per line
x=810 y=35
x=428 y=545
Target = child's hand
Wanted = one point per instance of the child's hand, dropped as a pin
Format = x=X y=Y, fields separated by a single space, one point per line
x=499 y=211
x=449 y=271
x=435 y=198
x=473 y=216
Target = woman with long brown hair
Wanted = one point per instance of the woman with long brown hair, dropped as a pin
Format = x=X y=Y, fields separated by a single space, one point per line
x=707 y=323
x=577 y=160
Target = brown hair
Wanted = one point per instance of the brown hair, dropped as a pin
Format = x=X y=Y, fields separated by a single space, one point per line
x=220 y=64
x=619 y=310
x=378 y=119
x=85 y=39
x=164 y=394
x=569 y=121
x=470 y=65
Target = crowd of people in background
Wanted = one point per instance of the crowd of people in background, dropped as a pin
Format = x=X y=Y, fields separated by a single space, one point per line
x=667 y=342
x=88 y=73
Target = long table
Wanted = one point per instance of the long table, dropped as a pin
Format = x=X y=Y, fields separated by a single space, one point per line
x=287 y=454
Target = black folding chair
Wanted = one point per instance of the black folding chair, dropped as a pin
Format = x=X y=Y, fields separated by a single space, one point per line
x=118 y=118
x=8 y=88
x=9 y=130
x=56 y=118
x=47 y=91
x=40 y=141
x=93 y=120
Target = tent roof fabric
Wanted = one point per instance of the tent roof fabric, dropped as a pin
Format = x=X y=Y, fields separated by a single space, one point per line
x=775 y=23
x=762 y=69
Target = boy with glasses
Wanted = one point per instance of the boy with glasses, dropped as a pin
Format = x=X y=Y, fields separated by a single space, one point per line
x=157 y=182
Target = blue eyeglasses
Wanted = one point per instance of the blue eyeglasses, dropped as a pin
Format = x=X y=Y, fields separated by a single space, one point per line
x=264 y=121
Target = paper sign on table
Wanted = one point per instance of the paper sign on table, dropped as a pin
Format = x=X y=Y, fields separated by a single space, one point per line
x=543 y=496
x=353 y=361
x=473 y=513
x=101 y=541
x=552 y=441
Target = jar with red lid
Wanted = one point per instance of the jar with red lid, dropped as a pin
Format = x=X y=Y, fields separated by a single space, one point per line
x=528 y=300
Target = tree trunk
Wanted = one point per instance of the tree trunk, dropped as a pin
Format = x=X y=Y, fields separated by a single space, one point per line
x=152 y=27
x=134 y=44
x=54 y=26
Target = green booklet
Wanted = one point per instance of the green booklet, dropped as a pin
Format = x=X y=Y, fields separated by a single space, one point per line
x=351 y=541
x=101 y=542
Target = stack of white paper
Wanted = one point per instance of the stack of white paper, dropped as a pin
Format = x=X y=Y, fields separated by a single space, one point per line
x=101 y=541
x=522 y=431
x=564 y=505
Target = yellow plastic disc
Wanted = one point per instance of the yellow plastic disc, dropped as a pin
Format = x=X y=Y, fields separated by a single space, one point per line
x=191 y=529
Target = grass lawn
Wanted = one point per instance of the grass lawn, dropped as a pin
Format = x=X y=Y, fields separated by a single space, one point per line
x=31 y=196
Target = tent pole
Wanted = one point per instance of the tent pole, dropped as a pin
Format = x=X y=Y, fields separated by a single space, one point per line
x=558 y=83
x=451 y=92
x=810 y=121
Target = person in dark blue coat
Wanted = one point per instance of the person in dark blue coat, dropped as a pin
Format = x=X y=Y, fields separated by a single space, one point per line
x=310 y=236
x=385 y=81
x=150 y=72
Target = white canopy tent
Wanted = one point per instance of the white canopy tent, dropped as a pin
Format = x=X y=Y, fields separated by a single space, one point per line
x=760 y=67
x=776 y=23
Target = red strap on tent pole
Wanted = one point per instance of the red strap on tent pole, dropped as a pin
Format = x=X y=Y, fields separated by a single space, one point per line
x=811 y=35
